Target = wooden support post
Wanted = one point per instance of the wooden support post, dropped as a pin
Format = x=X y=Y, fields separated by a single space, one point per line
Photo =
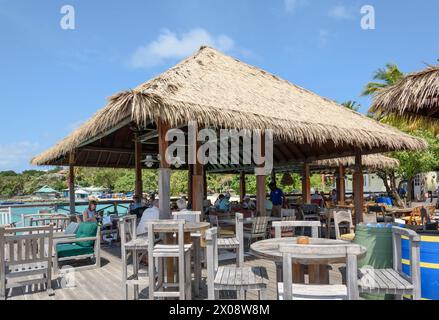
x=197 y=185
x=341 y=185
x=204 y=183
x=190 y=173
x=261 y=192
x=164 y=173
x=138 y=166
x=242 y=186
x=71 y=182
x=358 y=185
x=306 y=184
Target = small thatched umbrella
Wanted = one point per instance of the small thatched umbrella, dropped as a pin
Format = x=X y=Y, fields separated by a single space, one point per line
x=371 y=162
x=415 y=98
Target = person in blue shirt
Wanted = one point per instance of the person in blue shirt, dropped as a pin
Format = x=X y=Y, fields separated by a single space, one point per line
x=277 y=198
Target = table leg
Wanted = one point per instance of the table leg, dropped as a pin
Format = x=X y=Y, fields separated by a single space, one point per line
x=169 y=239
x=197 y=265
x=298 y=273
x=318 y=274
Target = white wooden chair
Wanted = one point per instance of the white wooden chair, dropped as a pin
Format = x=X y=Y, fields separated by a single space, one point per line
x=279 y=225
x=235 y=243
x=370 y=217
x=395 y=281
x=289 y=291
x=239 y=279
x=59 y=222
x=346 y=218
x=25 y=252
x=137 y=248
x=5 y=217
x=193 y=216
x=159 y=252
x=288 y=213
x=258 y=230
x=188 y=216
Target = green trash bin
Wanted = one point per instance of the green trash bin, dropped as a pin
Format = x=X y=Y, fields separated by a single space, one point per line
x=378 y=242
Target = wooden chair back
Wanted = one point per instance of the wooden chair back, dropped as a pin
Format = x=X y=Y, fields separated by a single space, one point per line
x=25 y=218
x=128 y=229
x=177 y=225
x=314 y=225
x=415 y=257
x=59 y=222
x=343 y=217
x=188 y=216
x=260 y=225
x=370 y=217
x=5 y=216
x=291 y=252
x=288 y=213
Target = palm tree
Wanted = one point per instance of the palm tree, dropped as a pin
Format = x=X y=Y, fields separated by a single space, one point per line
x=353 y=105
x=388 y=76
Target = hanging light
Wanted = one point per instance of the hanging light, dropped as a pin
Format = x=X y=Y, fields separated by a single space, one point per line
x=177 y=162
x=149 y=161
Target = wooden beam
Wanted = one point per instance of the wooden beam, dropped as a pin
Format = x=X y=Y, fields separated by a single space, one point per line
x=71 y=182
x=138 y=166
x=189 y=182
x=261 y=194
x=197 y=183
x=164 y=172
x=306 y=184
x=358 y=188
x=242 y=186
x=341 y=186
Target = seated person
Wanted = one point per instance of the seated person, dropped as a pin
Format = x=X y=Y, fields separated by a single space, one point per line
x=181 y=204
x=149 y=214
x=137 y=203
x=90 y=214
x=225 y=205
x=317 y=198
x=218 y=201
x=248 y=204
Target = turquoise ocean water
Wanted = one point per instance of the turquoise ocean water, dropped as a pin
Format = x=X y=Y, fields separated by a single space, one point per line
x=17 y=212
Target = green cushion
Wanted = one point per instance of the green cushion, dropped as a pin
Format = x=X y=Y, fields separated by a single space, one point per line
x=86 y=230
x=72 y=250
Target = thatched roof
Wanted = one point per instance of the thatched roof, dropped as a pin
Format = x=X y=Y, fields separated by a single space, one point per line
x=416 y=97
x=219 y=91
x=370 y=162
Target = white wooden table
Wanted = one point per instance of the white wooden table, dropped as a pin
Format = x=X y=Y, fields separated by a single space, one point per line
x=318 y=270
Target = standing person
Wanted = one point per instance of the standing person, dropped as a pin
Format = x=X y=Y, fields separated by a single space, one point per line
x=277 y=198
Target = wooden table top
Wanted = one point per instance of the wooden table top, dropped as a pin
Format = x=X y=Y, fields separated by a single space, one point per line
x=188 y=227
x=269 y=249
x=247 y=220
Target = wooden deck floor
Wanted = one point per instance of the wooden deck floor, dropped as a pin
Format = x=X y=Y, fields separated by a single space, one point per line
x=105 y=283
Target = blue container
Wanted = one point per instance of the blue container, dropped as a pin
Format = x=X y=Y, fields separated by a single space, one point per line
x=429 y=249
x=385 y=200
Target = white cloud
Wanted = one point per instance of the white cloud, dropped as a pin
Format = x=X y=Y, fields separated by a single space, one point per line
x=291 y=6
x=169 y=45
x=340 y=12
x=16 y=156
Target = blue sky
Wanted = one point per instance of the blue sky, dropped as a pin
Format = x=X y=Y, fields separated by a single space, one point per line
x=51 y=79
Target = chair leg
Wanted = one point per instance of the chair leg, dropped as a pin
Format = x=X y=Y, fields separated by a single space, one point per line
x=136 y=274
x=197 y=266
x=185 y=277
x=151 y=275
x=263 y=294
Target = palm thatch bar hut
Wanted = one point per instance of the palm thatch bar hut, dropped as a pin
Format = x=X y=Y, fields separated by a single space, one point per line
x=414 y=98
x=218 y=91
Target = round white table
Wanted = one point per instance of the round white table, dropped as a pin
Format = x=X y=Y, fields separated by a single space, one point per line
x=318 y=270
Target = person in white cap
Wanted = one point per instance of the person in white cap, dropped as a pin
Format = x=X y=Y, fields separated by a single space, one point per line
x=248 y=204
x=181 y=204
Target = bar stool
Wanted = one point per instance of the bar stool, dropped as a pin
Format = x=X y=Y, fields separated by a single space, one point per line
x=137 y=248
x=159 y=252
